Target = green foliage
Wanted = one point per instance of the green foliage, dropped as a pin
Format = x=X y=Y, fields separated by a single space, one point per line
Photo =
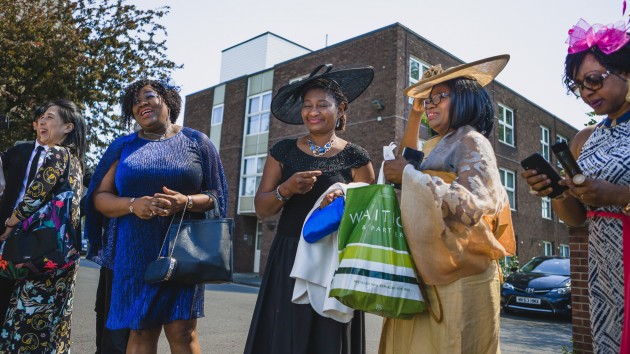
x=84 y=50
x=506 y=267
x=592 y=120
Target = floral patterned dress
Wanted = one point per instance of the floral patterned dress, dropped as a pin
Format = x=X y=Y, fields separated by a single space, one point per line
x=40 y=309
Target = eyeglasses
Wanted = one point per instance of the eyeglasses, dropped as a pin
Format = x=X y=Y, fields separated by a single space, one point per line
x=145 y=97
x=592 y=82
x=435 y=99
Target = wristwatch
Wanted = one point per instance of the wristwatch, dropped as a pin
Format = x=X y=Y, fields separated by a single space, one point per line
x=279 y=196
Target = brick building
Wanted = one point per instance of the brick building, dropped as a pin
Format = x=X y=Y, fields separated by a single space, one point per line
x=235 y=114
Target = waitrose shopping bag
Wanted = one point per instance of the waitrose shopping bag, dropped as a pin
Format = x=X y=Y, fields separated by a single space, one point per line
x=376 y=272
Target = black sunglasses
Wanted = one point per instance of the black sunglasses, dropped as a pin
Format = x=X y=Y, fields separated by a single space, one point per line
x=592 y=82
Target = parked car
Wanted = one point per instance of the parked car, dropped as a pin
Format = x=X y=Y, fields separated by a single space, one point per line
x=542 y=285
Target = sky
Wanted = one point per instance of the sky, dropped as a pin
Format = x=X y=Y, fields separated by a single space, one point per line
x=533 y=32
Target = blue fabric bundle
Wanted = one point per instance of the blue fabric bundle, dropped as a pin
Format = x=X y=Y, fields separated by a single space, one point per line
x=324 y=221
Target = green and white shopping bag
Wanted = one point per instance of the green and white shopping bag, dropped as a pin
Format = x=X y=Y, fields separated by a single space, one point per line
x=376 y=272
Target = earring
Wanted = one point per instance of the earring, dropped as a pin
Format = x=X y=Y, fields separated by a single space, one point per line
x=628 y=94
x=338 y=123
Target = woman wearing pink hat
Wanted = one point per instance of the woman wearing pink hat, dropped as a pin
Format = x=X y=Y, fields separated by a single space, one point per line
x=597 y=69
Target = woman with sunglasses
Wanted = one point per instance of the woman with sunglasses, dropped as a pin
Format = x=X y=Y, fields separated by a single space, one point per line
x=142 y=180
x=453 y=214
x=597 y=69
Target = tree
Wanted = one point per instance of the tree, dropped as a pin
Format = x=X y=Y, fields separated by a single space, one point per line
x=84 y=50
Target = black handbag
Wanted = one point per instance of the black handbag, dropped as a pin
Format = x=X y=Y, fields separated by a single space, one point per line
x=40 y=244
x=30 y=246
x=199 y=251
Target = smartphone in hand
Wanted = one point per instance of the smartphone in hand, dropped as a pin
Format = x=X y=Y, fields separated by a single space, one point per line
x=536 y=162
x=413 y=156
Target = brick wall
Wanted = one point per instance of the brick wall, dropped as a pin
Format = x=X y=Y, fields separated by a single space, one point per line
x=388 y=51
x=582 y=341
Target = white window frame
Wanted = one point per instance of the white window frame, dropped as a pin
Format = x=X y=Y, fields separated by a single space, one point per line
x=260 y=112
x=214 y=114
x=564 y=250
x=547 y=248
x=545 y=206
x=260 y=164
x=511 y=191
x=422 y=67
x=544 y=143
x=504 y=126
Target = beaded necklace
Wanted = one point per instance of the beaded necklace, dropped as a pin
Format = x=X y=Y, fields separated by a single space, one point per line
x=320 y=150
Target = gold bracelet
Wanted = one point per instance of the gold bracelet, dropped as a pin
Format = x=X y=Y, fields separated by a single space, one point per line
x=189 y=203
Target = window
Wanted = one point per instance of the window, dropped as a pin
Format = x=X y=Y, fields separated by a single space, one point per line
x=217 y=115
x=416 y=70
x=258 y=108
x=547 y=248
x=544 y=142
x=251 y=173
x=559 y=139
x=506 y=125
x=546 y=208
x=563 y=251
x=508 y=180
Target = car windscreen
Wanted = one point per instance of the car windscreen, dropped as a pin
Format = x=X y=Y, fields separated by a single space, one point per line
x=557 y=266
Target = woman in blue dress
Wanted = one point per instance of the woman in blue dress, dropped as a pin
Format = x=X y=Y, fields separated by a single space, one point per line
x=143 y=180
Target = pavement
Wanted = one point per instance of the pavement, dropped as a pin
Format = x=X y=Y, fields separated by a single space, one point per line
x=229 y=308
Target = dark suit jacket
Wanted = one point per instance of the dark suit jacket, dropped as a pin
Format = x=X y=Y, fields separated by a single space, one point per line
x=14 y=162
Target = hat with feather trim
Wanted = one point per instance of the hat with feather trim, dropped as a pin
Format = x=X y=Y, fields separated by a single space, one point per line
x=483 y=71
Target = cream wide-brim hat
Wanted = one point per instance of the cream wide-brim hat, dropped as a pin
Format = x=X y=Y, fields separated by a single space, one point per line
x=483 y=71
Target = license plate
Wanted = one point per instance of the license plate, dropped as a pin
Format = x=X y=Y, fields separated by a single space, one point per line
x=527 y=300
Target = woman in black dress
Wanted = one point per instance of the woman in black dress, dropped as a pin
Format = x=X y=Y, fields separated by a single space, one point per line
x=296 y=173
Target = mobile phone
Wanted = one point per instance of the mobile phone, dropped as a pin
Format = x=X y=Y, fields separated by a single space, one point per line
x=564 y=156
x=536 y=162
x=413 y=156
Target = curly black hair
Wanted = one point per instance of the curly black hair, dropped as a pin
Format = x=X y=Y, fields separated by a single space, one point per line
x=333 y=87
x=167 y=92
x=617 y=62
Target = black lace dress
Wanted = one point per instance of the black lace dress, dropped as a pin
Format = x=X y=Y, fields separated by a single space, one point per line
x=278 y=325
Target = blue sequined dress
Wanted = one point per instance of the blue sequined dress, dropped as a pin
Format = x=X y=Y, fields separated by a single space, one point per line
x=187 y=163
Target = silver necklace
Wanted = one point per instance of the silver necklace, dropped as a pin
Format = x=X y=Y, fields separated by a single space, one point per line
x=320 y=150
x=160 y=136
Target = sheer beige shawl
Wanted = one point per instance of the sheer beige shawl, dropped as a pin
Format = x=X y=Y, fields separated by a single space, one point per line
x=455 y=213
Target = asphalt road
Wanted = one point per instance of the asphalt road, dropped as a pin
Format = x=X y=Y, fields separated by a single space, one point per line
x=229 y=308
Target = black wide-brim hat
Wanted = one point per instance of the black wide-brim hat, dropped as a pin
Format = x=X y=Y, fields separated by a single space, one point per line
x=287 y=103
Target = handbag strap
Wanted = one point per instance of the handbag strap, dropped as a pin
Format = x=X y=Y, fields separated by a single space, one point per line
x=210 y=214
x=170 y=253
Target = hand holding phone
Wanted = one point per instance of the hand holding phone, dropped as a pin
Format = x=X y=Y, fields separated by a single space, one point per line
x=413 y=156
x=542 y=166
